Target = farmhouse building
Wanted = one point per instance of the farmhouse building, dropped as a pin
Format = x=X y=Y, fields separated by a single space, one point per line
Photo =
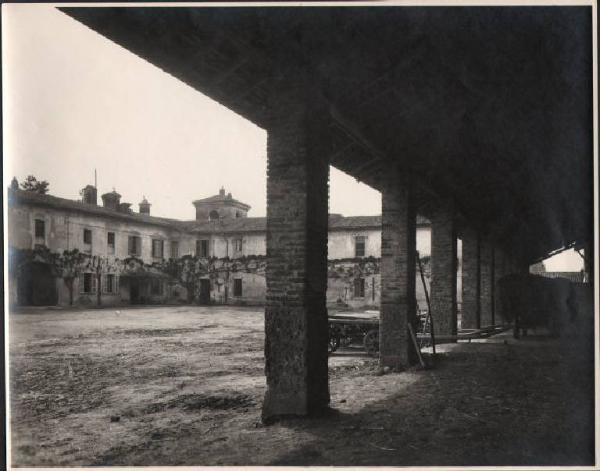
x=126 y=253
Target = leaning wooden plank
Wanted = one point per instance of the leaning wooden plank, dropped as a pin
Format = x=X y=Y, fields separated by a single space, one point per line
x=414 y=341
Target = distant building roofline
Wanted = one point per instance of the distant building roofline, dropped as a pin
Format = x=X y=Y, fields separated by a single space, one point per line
x=29 y=197
x=337 y=222
x=221 y=200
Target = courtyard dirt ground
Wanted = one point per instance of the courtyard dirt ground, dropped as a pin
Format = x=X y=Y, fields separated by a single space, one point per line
x=184 y=385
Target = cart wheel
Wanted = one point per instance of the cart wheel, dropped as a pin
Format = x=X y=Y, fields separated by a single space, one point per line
x=371 y=342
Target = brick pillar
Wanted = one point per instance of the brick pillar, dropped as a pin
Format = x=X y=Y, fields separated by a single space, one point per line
x=501 y=268
x=510 y=265
x=499 y=264
x=486 y=273
x=296 y=329
x=443 y=270
x=398 y=275
x=471 y=281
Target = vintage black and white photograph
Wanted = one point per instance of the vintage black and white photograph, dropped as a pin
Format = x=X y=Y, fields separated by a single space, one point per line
x=300 y=234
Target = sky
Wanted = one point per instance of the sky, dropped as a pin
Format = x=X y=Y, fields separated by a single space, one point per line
x=75 y=102
x=79 y=102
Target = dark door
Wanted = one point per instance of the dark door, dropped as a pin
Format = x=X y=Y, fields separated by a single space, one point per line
x=204 y=291
x=134 y=291
x=37 y=286
x=25 y=288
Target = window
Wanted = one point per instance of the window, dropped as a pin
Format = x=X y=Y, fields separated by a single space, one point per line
x=359 y=246
x=359 y=288
x=174 y=249
x=238 y=244
x=134 y=245
x=156 y=286
x=202 y=248
x=88 y=283
x=110 y=285
x=213 y=216
x=110 y=242
x=40 y=229
x=237 y=287
x=238 y=214
x=158 y=248
x=87 y=241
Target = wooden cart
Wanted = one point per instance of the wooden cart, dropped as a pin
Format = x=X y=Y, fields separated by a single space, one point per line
x=348 y=329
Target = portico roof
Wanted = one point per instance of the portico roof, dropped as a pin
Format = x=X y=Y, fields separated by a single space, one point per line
x=488 y=106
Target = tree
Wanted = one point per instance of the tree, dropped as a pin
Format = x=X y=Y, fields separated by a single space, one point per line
x=32 y=184
x=70 y=266
x=187 y=270
x=98 y=265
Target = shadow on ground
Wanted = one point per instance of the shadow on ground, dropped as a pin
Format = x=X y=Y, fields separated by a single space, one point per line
x=523 y=403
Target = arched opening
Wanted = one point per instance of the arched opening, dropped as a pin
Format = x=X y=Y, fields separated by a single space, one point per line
x=213 y=215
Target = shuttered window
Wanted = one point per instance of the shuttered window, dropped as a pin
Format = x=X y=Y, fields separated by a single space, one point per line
x=134 y=246
x=87 y=236
x=110 y=283
x=174 y=249
x=202 y=248
x=110 y=242
x=359 y=246
x=87 y=283
x=40 y=229
x=158 y=248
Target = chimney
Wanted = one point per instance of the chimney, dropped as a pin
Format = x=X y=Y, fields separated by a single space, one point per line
x=222 y=191
x=90 y=195
x=125 y=207
x=111 y=200
x=228 y=196
x=144 y=206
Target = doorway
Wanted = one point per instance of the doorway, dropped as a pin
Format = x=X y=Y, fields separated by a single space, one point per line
x=37 y=286
x=134 y=291
x=204 y=291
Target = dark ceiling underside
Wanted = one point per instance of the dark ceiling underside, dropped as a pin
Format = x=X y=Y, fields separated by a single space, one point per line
x=492 y=106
